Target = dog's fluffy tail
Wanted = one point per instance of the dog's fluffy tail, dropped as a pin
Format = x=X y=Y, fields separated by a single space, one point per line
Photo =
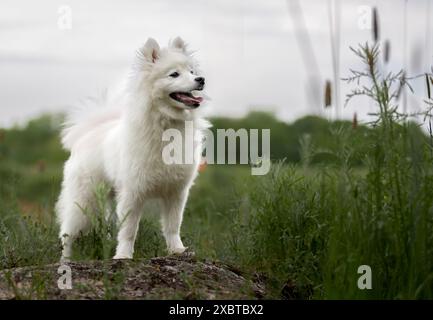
x=92 y=113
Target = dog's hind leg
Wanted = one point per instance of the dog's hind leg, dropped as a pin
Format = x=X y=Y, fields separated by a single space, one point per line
x=128 y=210
x=74 y=222
x=171 y=220
x=72 y=201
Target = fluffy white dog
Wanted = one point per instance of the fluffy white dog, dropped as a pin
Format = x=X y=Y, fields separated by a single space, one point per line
x=123 y=148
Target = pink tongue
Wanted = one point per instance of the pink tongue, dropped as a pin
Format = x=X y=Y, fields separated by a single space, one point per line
x=189 y=99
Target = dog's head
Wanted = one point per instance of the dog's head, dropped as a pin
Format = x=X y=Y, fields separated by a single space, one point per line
x=171 y=77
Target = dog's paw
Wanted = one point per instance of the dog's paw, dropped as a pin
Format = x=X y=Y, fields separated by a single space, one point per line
x=177 y=250
x=122 y=257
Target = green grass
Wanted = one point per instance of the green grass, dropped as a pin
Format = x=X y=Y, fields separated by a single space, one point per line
x=312 y=228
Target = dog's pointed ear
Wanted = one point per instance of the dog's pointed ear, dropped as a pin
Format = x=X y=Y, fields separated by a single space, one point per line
x=150 y=50
x=178 y=43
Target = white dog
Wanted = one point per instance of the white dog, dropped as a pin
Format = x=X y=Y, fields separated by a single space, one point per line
x=124 y=149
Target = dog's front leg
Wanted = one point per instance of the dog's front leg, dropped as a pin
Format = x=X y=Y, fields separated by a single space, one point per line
x=171 y=220
x=128 y=210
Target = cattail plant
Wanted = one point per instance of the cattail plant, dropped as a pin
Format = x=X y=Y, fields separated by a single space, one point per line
x=399 y=175
x=355 y=121
x=375 y=25
x=328 y=94
x=386 y=51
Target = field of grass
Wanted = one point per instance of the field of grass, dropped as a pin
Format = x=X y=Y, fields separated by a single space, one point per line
x=303 y=229
x=309 y=227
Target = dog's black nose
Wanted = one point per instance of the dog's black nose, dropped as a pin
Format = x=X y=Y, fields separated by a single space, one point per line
x=200 y=80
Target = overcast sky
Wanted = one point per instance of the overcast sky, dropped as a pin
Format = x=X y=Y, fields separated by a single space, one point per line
x=248 y=49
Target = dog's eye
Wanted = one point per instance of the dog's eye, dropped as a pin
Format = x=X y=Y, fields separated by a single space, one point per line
x=192 y=72
x=174 y=74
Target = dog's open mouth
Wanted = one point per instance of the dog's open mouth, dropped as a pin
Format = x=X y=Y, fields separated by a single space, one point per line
x=187 y=98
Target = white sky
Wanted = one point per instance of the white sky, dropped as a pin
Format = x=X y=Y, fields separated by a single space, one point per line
x=248 y=50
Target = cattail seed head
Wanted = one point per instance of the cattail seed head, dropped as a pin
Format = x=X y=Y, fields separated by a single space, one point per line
x=386 y=51
x=428 y=86
x=375 y=26
x=355 y=121
x=328 y=94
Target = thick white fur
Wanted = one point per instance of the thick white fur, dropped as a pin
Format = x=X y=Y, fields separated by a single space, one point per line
x=120 y=144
